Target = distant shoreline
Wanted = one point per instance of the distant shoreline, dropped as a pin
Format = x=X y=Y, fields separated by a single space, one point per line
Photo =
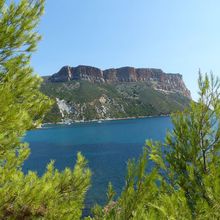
x=103 y=120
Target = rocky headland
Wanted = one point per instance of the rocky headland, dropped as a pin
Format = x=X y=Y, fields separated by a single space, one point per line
x=86 y=93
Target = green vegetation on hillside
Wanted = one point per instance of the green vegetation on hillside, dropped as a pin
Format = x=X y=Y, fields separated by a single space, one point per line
x=122 y=100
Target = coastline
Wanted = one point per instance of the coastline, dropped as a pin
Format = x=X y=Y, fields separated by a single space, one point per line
x=69 y=122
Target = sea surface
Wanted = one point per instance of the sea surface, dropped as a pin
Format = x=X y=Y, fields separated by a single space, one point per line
x=107 y=146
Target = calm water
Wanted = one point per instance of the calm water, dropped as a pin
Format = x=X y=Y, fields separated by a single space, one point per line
x=107 y=146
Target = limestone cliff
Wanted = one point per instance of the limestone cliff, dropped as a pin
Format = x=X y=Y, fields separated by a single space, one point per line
x=156 y=78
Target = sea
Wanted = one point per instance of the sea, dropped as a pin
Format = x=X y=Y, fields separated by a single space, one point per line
x=107 y=145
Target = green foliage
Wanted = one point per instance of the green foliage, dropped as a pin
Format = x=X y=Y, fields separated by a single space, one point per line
x=17 y=23
x=184 y=182
x=55 y=195
x=111 y=193
x=53 y=115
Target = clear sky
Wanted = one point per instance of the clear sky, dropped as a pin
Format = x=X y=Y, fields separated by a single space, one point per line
x=174 y=35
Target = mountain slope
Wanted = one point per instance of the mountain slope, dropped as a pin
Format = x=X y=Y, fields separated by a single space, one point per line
x=89 y=95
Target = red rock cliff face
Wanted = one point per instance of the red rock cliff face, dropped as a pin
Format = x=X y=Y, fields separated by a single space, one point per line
x=154 y=77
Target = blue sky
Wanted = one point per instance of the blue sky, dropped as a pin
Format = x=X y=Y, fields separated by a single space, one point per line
x=174 y=35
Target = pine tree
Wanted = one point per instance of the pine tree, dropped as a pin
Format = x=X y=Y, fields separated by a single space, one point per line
x=55 y=195
x=184 y=182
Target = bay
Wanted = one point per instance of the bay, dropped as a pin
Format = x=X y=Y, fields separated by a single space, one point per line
x=107 y=146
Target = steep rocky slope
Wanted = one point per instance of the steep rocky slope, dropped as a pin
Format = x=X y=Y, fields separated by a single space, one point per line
x=86 y=93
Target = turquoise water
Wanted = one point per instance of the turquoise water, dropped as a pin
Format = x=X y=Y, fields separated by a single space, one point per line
x=107 y=146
